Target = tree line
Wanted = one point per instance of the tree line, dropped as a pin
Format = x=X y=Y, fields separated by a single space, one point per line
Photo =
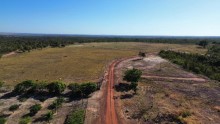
x=208 y=64
x=27 y=43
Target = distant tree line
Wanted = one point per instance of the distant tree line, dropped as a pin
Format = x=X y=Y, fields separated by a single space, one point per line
x=208 y=64
x=27 y=43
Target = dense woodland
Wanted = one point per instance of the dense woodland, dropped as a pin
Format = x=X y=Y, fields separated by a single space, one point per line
x=10 y=43
x=208 y=64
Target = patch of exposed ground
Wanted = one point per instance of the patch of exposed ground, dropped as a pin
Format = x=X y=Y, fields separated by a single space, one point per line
x=168 y=94
x=6 y=100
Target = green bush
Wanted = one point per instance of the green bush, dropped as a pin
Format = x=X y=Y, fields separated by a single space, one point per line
x=2 y=120
x=25 y=120
x=40 y=87
x=24 y=86
x=56 y=87
x=88 y=88
x=14 y=107
x=76 y=117
x=132 y=75
x=34 y=109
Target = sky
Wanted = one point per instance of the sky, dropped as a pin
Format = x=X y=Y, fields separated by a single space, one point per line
x=112 y=17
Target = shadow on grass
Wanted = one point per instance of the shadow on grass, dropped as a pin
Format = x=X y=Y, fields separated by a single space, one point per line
x=126 y=96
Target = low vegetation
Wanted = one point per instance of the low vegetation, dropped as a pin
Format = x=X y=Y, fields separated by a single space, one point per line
x=14 y=107
x=76 y=117
x=208 y=64
x=57 y=103
x=2 y=120
x=34 y=109
x=48 y=116
x=25 y=120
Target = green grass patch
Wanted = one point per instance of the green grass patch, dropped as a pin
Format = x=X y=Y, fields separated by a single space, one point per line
x=76 y=117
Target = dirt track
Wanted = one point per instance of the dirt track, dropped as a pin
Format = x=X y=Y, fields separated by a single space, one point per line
x=110 y=114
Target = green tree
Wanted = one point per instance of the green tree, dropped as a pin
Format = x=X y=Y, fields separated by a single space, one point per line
x=203 y=43
x=132 y=76
x=88 y=88
x=24 y=86
x=56 y=87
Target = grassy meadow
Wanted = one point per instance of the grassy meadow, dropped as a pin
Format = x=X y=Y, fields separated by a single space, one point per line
x=75 y=63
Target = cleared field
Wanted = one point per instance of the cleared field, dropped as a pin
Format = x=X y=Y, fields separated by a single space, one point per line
x=75 y=63
x=167 y=94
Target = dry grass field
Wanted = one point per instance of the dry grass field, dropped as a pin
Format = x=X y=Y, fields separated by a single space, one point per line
x=75 y=63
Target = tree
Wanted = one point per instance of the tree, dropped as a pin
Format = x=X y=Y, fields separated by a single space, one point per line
x=40 y=87
x=88 y=88
x=56 y=87
x=203 y=43
x=132 y=76
x=24 y=86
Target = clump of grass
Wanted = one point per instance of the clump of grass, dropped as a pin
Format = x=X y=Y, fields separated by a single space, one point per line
x=25 y=120
x=76 y=117
x=185 y=114
x=34 y=109
x=14 y=107
x=57 y=103
x=22 y=99
x=2 y=120
x=48 y=116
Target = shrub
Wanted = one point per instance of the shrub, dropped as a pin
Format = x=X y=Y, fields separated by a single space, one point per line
x=76 y=117
x=40 y=87
x=24 y=86
x=185 y=114
x=56 y=87
x=57 y=103
x=25 y=120
x=48 y=116
x=132 y=75
x=34 y=109
x=2 y=120
x=1 y=84
x=14 y=107
x=88 y=88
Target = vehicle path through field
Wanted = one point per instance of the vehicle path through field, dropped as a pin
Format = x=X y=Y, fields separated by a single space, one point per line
x=110 y=114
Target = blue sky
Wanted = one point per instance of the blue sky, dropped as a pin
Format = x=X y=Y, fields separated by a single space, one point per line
x=112 y=17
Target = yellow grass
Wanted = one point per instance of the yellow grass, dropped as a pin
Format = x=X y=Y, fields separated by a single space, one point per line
x=75 y=63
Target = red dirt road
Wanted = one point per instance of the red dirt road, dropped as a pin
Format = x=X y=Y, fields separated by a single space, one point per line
x=110 y=114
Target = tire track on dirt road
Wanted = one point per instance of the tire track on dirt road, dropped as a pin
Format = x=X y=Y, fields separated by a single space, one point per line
x=110 y=114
